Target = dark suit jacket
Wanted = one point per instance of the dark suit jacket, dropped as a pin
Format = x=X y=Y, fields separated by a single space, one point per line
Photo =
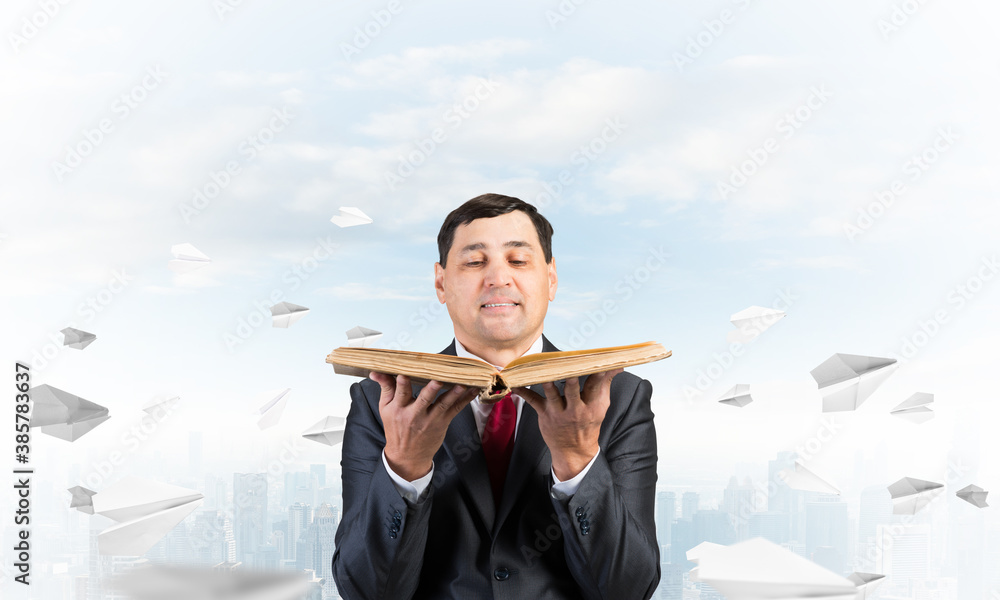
x=454 y=544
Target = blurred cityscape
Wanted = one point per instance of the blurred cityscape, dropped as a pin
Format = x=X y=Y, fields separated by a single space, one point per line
x=286 y=520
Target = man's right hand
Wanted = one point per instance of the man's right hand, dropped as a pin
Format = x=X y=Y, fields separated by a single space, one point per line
x=415 y=427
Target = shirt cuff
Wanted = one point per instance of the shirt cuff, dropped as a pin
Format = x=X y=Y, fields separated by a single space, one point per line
x=412 y=491
x=563 y=490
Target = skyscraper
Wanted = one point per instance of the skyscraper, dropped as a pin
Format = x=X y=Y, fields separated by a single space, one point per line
x=905 y=555
x=666 y=509
x=739 y=501
x=689 y=504
x=299 y=518
x=320 y=541
x=319 y=472
x=249 y=514
x=826 y=527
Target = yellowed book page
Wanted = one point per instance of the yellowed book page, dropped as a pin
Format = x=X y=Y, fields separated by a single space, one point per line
x=420 y=367
x=557 y=366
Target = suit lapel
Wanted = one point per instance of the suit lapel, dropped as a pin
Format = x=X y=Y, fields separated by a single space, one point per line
x=530 y=456
x=464 y=446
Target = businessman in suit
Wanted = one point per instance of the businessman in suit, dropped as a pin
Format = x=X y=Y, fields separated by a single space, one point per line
x=546 y=495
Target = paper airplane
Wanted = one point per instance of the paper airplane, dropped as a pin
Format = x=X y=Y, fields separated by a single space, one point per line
x=273 y=407
x=866 y=582
x=63 y=415
x=916 y=408
x=909 y=495
x=284 y=314
x=82 y=499
x=145 y=511
x=800 y=478
x=350 y=216
x=362 y=337
x=738 y=395
x=757 y=569
x=167 y=582
x=973 y=494
x=752 y=322
x=76 y=338
x=160 y=402
x=73 y=431
x=698 y=552
x=187 y=258
x=861 y=376
x=329 y=431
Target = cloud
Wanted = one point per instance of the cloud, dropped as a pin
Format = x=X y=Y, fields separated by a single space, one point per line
x=365 y=291
x=809 y=262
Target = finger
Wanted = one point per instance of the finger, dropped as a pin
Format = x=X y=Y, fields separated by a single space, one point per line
x=552 y=396
x=462 y=401
x=387 y=384
x=611 y=376
x=449 y=398
x=572 y=390
x=534 y=400
x=428 y=393
x=404 y=391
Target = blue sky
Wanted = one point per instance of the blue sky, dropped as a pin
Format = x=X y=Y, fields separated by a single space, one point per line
x=532 y=94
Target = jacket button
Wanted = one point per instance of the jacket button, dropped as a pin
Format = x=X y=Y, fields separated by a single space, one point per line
x=501 y=574
x=579 y=512
x=392 y=535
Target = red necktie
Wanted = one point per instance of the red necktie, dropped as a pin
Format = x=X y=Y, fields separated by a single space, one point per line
x=498 y=443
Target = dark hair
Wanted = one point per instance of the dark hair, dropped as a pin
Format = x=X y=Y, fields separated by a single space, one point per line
x=485 y=207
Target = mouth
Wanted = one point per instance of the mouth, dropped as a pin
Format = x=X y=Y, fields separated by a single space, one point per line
x=499 y=306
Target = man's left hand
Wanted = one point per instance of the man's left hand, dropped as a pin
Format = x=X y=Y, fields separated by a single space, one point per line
x=570 y=424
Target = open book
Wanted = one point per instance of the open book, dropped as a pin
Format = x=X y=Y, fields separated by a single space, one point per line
x=422 y=367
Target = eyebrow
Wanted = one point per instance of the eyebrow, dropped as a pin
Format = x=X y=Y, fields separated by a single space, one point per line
x=510 y=244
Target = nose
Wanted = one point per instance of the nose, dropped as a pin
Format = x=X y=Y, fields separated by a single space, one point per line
x=498 y=274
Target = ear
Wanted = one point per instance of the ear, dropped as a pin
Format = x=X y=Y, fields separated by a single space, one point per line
x=553 y=279
x=439 y=282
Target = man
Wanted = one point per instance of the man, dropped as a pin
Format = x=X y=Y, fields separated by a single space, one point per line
x=446 y=497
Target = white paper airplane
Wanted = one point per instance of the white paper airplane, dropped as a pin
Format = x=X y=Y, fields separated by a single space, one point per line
x=866 y=582
x=273 y=406
x=329 y=431
x=757 y=569
x=860 y=376
x=751 y=322
x=160 y=402
x=695 y=554
x=800 y=478
x=350 y=216
x=738 y=396
x=362 y=337
x=916 y=408
x=82 y=499
x=974 y=495
x=145 y=511
x=73 y=431
x=168 y=582
x=284 y=314
x=187 y=258
x=909 y=495
x=63 y=415
x=77 y=338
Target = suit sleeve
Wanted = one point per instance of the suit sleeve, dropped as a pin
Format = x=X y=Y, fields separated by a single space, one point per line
x=381 y=539
x=608 y=526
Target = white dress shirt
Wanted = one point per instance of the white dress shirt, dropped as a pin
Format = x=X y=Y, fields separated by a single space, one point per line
x=416 y=491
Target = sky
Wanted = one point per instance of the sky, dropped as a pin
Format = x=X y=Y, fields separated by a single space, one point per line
x=836 y=161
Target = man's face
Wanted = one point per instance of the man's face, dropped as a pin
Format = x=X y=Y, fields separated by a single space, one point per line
x=498 y=260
